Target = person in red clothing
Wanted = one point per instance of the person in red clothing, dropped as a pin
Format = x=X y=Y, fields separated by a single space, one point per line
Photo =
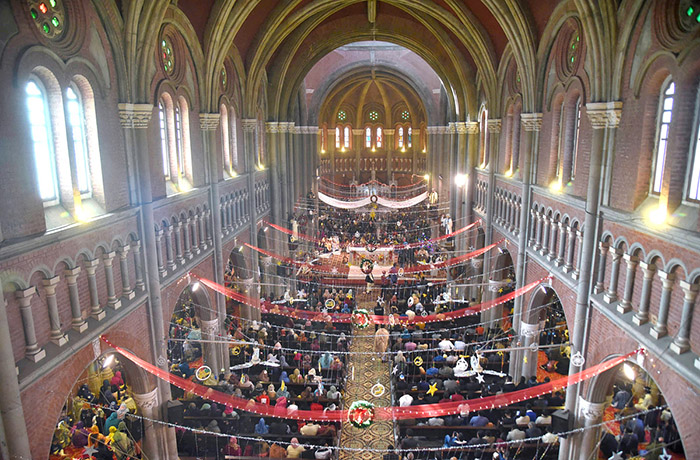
x=315 y=405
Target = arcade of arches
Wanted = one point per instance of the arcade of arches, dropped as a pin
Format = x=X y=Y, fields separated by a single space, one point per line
x=349 y=229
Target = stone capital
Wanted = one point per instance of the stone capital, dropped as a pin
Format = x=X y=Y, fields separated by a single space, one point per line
x=472 y=127
x=124 y=251
x=147 y=401
x=136 y=116
x=50 y=285
x=71 y=274
x=531 y=121
x=590 y=410
x=249 y=124
x=631 y=260
x=272 y=127
x=209 y=121
x=24 y=296
x=286 y=126
x=690 y=290
x=108 y=257
x=493 y=125
x=529 y=329
x=604 y=114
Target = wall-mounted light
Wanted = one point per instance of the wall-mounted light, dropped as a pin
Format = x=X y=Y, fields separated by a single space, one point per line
x=195 y=286
x=628 y=371
x=658 y=215
x=108 y=360
x=556 y=185
x=460 y=179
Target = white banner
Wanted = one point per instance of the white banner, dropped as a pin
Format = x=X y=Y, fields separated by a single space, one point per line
x=366 y=201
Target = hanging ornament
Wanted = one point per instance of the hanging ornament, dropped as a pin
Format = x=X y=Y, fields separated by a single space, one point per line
x=480 y=378
x=203 y=373
x=377 y=390
x=418 y=361
x=330 y=303
x=371 y=247
x=401 y=272
x=361 y=414
x=578 y=359
x=236 y=351
x=432 y=389
x=373 y=199
x=361 y=318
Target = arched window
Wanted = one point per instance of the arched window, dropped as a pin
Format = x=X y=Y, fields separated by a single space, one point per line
x=346 y=137
x=164 y=138
x=66 y=150
x=225 y=146
x=410 y=134
x=337 y=137
x=574 y=153
x=37 y=105
x=694 y=180
x=179 y=149
x=664 y=124
x=560 y=146
x=77 y=132
x=368 y=137
x=380 y=139
x=482 y=139
x=400 y=137
x=233 y=140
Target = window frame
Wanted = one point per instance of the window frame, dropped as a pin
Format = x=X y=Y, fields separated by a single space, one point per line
x=164 y=137
x=75 y=172
x=663 y=96
x=694 y=158
x=49 y=139
x=577 y=129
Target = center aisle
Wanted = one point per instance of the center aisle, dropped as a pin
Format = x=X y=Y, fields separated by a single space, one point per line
x=368 y=370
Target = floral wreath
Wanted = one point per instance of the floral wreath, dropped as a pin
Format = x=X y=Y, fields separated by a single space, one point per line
x=373 y=198
x=203 y=373
x=330 y=303
x=361 y=318
x=361 y=414
x=366 y=266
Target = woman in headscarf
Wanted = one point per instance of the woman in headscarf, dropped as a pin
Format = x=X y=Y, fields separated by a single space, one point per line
x=117 y=379
x=284 y=377
x=325 y=361
x=261 y=427
x=337 y=364
x=333 y=393
x=294 y=449
x=281 y=407
x=213 y=426
x=80 y=435
x=232 y=448
x=296 y=377
x=122 y=445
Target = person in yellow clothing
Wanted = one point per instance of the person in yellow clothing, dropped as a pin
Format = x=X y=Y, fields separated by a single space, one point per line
x=294 y=450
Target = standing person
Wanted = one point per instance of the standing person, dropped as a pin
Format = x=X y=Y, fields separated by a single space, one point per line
x=369 y=279
x=381 y=342
x=385 y=284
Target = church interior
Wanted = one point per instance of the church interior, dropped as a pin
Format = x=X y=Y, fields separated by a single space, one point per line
x=349 y=229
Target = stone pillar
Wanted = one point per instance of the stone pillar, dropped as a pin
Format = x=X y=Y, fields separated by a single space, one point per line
x=57 y=337
x=11 y=411
x=579 y=243
x=32 y=352
x=611 y=295
x=138 y=267
x=642 y=315
x=210 y=331
x=681 y=343
x=147 y=404
x=177 y=232
x=660 y=329
x=589 y=415
x=530 y=333
x=546 y=221
x=197 y=234
x=533 y=227
x=538 y=230
x=96 y=310
x=209 y=123
x=127 y=292
x=186 y=238
x=571 y=244
x=78 y=323
x=562 y=244
x=472 y=151
x=626 y=304
x=532 y=123
x=112 y=300
x=135 y=118
x=603 y=249
x=551 y=252
x=604 y=117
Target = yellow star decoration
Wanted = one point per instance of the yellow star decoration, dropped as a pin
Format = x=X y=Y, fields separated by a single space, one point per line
x=283 y=386
x=433 y=388
x=500 y=353
x=525 y=359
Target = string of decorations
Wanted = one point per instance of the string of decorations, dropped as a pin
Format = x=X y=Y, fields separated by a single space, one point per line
x=380 y=413
x=385 y=451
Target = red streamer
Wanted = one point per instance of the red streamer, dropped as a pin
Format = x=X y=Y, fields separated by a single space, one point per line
x=268 y=307
x=386 y=413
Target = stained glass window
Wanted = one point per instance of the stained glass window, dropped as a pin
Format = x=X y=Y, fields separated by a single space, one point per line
x=167 y=55
x=694 y=192
x=337 y=137
x=574 y=153
x=664 y=124
x=410 y=132
x=346 y=137
x=164 y=148
x=342 y=115
x=373 y=115
x=380 y=138
x=368 y=137
x=400 y=137
x=48 y=16
x=405 y=115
